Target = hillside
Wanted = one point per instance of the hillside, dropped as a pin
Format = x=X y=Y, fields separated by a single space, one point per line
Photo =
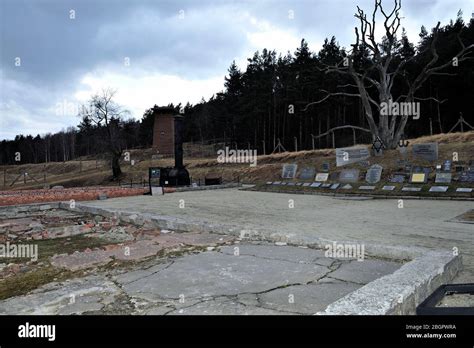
x=91 y=171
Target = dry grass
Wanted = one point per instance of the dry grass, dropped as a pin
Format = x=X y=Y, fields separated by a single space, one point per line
x=269 y=167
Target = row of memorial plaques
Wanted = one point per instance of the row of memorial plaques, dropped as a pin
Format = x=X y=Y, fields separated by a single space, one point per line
x=373 y=175
x=334 y=186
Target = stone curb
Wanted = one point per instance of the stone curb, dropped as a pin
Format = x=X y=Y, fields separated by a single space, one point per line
x=449 y=198
x=402 y=291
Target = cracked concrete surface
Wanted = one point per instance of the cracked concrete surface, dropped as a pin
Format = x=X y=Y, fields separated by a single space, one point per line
x=244 y=278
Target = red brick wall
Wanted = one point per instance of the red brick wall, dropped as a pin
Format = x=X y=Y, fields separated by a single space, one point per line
x=163 y=134
x=78 y=194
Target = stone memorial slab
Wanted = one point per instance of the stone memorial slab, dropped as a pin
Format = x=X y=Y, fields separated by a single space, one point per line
x=418 y=178
x=322 y=177
x=397 y=178
x=277 y=183
x=269 y=183
x=299 y=184
x=349 y=175
x=289 y=171
x=283 y=183
x=438 y=189
x=315 y=184
x=443 y=178
x=367 y=188
x=350 y=155
x=306 y=184
x=427 y=170
x=325 y=185
x=334 y=186
x=426 y=151
x=388 y=188
x=447 y=166
x=156 y=190
x=411 y=189
x=291 y=184
x=374 y=174
x=467 y=176
x=307 y=173
x=326 y=166
x=347 y=187
x=464 y=189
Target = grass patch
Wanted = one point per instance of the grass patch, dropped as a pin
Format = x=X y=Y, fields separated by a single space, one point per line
x=22 y=283
x=66 y=245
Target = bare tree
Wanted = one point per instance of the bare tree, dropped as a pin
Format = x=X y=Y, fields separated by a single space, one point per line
x=103 y=111
x=380 y=70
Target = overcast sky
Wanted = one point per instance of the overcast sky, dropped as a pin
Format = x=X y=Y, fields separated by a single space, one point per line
x=56 y=53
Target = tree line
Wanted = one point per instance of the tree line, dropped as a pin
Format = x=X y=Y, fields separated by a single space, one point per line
x=290 y=97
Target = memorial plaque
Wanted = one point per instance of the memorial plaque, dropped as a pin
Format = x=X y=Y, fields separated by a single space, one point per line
x=443 y=178
x=388 y=188
x=315 y=184
x=467 y=176
x=398 y=178
x=156 y=190
x=447 y=166
x=368 y=188
x=418 y=178
x=307 y=173
x=289 y=171
x=325 y=185
x=277 y=183
x=351 y=155
x=283 y=183
x=464 y=189
x=322 y=177
x=154 y=172
x=373 y=174
x=306 y=184
x=299 y=183
x=326 y=166
x=291 y=184
x=417 y=169
x=411 y=189
x=335 y=186
x=349 y=175
x=438 y=189
x=426 y=151
x=347 y=187
x=269 y=183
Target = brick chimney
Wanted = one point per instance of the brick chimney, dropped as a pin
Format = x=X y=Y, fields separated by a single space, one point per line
x=163 y=130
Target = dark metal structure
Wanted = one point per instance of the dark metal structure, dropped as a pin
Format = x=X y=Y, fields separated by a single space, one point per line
x=177 y=175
